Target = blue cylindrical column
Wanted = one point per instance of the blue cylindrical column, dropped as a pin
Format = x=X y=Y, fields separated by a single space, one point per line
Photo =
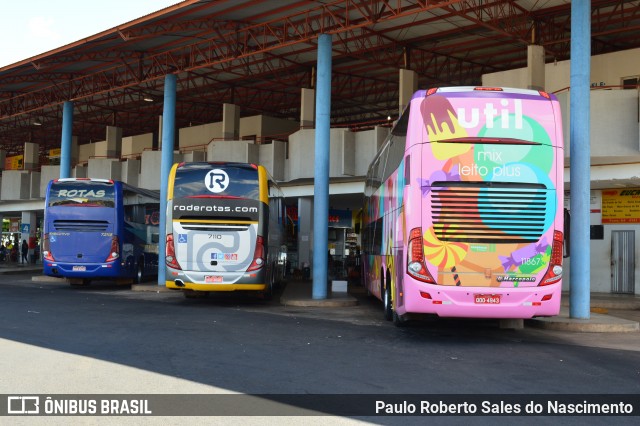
x=580 y=159
x=321 y=168
x=168 y=138
x=67 y=135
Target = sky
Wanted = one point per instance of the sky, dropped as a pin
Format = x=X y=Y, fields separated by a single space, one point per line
x=32 y=27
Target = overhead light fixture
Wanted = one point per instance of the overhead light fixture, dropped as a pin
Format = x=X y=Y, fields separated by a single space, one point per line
x=388 y=118
x=147 y=99
x=37 y=122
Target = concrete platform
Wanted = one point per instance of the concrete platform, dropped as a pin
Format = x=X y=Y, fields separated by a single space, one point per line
x=299 y=293
x=19 y=268
x=597 y=323
x=609 y=318
x=152 y=287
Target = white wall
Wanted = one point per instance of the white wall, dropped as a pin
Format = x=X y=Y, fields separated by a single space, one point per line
x=130 y=171
x=104 y=168
x=199 y=135
x=368 y=143
x=256 y=125
x=606 y=70
x=134 y=145
x=238 y=151
x=100 y=149
x=47 y=173
x=272 y=157
x=150 y=162
x=16 y=185
x=85 y=151
x=614 y=126
x=600 y=264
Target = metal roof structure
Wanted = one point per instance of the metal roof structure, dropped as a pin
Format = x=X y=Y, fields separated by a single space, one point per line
x=258 y=54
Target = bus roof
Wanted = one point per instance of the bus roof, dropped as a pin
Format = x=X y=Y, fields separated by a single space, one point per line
x=83 y=179
x=480 y=90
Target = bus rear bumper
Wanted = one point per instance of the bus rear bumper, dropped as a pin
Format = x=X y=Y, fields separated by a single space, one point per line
x=482 y=302
x=84 y=271
x=210 y=281
x=216 y=287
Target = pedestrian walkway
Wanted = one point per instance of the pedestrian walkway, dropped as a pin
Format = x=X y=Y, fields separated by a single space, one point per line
x=8 y=267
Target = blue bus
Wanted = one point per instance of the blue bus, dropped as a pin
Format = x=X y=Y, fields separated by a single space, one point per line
x=100 y=229
x=225 y=229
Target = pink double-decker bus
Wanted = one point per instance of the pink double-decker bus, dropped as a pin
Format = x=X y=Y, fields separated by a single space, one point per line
x=463 y=213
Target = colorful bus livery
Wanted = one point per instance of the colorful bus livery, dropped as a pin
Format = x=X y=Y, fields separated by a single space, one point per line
x=225 y=225
x=463 y=206
x=100 y=229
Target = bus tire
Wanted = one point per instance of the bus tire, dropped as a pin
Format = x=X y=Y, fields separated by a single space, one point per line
x=388 y=308
x=399 y=320
x=139 y=272
x=267 y=294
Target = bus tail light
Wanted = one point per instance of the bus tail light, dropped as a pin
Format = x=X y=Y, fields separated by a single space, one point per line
x=415 y=258
x=258 y=256
x=544 y=94
x=554 y=273
x=170 y=254
x=46 y=250
x=114 y=252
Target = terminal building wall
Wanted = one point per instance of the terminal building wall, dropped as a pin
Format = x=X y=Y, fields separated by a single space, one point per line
x=615 y=150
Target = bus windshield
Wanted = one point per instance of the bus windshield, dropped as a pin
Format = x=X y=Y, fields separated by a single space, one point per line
x=189 y=179
x=82 y=194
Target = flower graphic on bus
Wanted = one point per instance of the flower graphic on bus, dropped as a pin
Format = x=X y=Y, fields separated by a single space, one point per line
x=444 y=254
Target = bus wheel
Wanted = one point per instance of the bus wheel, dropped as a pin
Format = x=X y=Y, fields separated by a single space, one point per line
x=139 y=273
x=388 y=309
x=266 y=294
x=399 y=320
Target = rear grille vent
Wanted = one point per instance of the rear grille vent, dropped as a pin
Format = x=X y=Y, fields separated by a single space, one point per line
x=497 y=213
x=81 y=225
x=218 y=227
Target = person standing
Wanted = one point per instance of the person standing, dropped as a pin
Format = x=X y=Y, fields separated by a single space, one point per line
x=25 y=252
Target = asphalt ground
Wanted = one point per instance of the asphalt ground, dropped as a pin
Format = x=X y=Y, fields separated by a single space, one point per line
x=108 y=338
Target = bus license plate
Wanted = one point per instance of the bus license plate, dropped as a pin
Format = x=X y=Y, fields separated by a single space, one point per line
x=212 y=279
x=487 y=299
x=79 y=268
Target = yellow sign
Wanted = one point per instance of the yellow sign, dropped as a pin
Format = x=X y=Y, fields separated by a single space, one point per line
x=621 y=205
x=55 y=152
x=14 y=162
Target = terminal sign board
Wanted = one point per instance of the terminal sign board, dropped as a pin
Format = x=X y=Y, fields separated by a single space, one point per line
x=621 y=205
x=14 y=162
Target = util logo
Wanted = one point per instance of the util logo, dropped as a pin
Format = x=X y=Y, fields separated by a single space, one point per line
x=491 y=113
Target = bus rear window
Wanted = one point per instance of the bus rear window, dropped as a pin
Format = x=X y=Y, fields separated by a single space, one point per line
x=208 y=180
x=81 y=194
